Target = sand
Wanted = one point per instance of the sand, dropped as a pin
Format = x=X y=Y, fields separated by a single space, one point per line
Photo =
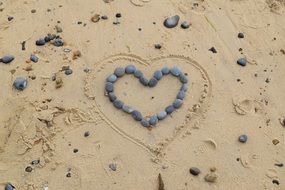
x=47 y=120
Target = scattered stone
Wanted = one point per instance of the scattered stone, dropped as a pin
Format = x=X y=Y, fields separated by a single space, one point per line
x=58 y=42
x=153 y=120
x=10 y=18
x=177 y=103
x=138 y=74
x=212 y=49
x=33 y=11
x=58 y=82
x=165 y=70
x=275 y=141
x=130 y=69
x=152 y=82
x=95 y=18
x=157 y=75
x=9 y=186
x=112 y=78
x=75 y=150
x=183 y=78
x=242 y=138
x=137 y=115
x=68 y=174
x=184 y=87
x=279 y=165
x=169 y=109
x=113 y=166
x=161 y=115
x=79 y=22
x=145 y=123
x=87 y=134
x=195 y=171
x=185 y=25
x=213 y=169
x=118 y=15
x=35 y=162
x=58 y=29
x=275 y=181
x=118 y=104
x=112 y=96
x=160 y=183
x=29 y=169
x=240 y=35
x=109 y=87
x=144 y=80
x=211 y=177
x=157 y=46
x=66 y=50
x=68 y=71
x=7 y=59
x=119 y=72
x=49 y=37
x=34 y=58
x=76 y=54
x=181 y=95
x=23 y=44
x=171 y=22
x=104 y=17
x=127 y=109
x=175 y=71
x=242 y=62
x=20 y=83
x=40 y=42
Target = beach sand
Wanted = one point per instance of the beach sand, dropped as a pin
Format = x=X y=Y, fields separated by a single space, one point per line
x=61 y=131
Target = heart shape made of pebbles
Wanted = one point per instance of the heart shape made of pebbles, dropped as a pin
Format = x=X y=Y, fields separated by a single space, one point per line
x=150 y=101
x=152 y=82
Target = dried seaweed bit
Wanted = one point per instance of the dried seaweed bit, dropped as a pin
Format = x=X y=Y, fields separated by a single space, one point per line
x=160 y=183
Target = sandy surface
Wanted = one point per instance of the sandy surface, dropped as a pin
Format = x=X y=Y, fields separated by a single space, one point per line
x=224 y=100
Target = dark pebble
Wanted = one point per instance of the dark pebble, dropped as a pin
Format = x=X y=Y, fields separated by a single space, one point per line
x=118 y=104
x=7 y=59
x=112 y=96
x=184 y=87
x=181 y=95
x=185 y=25
x=35 y=162
x=157 y=46
x=10 y=18
x=183 y=78
x=49 y=37
x=177 y=103
x=279 y=165
x=275 y=181
x=112 y=78
x=138 y=74
x=87 y=134
x=113 y=166
x=165 y=70
x=68 y=71
x=104 y=17
x=162 y=115
x=130 y=69
x=137 y=115
x=157 y=75
x=171 y=22
x=169 y=109
x=242 y=62
x=195 y=171
x=75 y=150
x=109 y=87
x=152 y=82
x=58 y=42
x=119 y=72
x=40 y=42
x=33 y=11
x=212 y=49
x=9 y=186
x=118 y=15
x=144 y=80
x=145 y=123
x=153 y=120
x=29 y=169
x=20 y=83
x=68 y=174
x=240 y=35
x=175 y=71
x=34 y=58
x=242 y=138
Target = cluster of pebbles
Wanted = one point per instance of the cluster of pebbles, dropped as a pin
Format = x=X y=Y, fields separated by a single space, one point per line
x=137 y=116
x=52 y=38
x=173 y=21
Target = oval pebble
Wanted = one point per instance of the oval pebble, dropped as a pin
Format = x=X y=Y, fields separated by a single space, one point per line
x=113 y=166
x=152 y=82
x=175 y=71
x=119 y=72
x=68 y=71
x=109 y=87
x=58 y=42
x=161 y=115
x=7 y=59
x=177 y=103
x=138 y=74
x=34 y=58
x=144 y=80
x=20 y=83
x=153 y=120
x=185 y=25
x=145 y=123
x=184 y=87
x=169 y=109
x=130 y=69
x=181 y=95
x=165 y=70
x=157 y=75
x=183 y=78
x=171 y=22
x=127 y=109
x=242 y=138
x=118 y=104
x=9 y=186
x=40 y=42
x=137 y=115
x=242 y=62
x=195 y=171
x=112 y=96
x=112 y=78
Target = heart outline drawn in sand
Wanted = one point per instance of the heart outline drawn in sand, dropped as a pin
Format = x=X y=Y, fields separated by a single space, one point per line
x=159 y=138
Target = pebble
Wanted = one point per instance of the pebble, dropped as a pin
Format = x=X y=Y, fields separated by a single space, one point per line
x=157 y=46
x=75 y=150
x=118 y=104
x=20 y=83
x=7 y=59
x=153 y=120
x=58 y=29
x=87 y=134
x=185 y=25
x=68 y=71
x=144 y=80
x=35 y=162
x=104 y=17
x=165 y=70
x=152 y=82
x=275 y=181
x=240 y=35
x=40 y=42
x=195 y=171
x=242 y=138
x=169 y=109
x=157 y=75
x=68 y=174
x=34 y=58
x=95 y=18
x=127 y=109
x=112 y=96
x=242 y=62
x=10 y=18
x=113 y=166
x=109 y=87
x=9 y=186
x=171 y=22
x=137 y=115
x=119 y=72
x=112 y=78
x=175 y=71
x=118 y=15
x=130 y=69
x=138 y=74
x=58 y=42
x=33 y=11
x=29 y=169
x=181 y=95
x=183 y=78
x=213 y=50
x=161 y=115
x=145 y=123
x=177 y=103
x=49 y=37
x=211 y=177
x=184 y=87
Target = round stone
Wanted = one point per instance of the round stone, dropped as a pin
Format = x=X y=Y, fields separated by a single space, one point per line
x=165 y=70
x=242 y=62
x=58 y=42
x=185 y=25
x=34 y=58
x=153 y=120
x=152 y=82
x=40 y=42
x=68 y=71
x=175 y=71
x=112 y=96
x=137 y=115
x=119 y=72
x=138 y=74
x=184 y=87
x=242 y=138
x=127 y=109
x=109 y=87
x=161 y=115
x=29 y=169
x=145 y=123
x=20 y=83
x=112 y=78
x=157 y=75
x=157 y=46
x=169 y=109
x=240 y=35
x=118 y=104
x=7 y=59
x=144 y=80
x=195 y=171
x=177 y=103
x=130 y=69
x=9 y=186
x=87 y=134
x=183 y=78
x=171 y=22
x=181 y=95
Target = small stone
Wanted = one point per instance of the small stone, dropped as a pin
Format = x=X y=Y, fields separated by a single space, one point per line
x=137 y=115
x=130 y=69
x=183 y=78
x=7 y=59
x=95 y=18
x=181 y=95
x=240 y=35
x=138 y=74
x=10 y=18
x=112 y=78
x=171 y=22
x=68 y=174
x=35 y=162
x=58 y=42
x=153 y=120
x=195 y=171
x=161 y=115
x=75 y=150
x=165 y=70
x=175 y=71
x=177 y=103
x=33 y=11
x=58 y=29
x=213 y=169
x=118 y=104
x=169 y=109
x=109 y=87
x=68 y=71
x=76 y=54
x=127 y=109
x=211 y=177
x=212 y=49
x=119 y=72
x=279 y=165
x=34 y=58
x=144 y=80
x=152 y=82
x=9 y=186
x=20 y=83
x=145 y=123
x=87 y=134
x=275 y=141
x=49 y=37
x=275 y=181
x=40 y=42
x=112 y=96
x=29 y=169
x=113 y=166
x=157 y=75
x=185 y=25
x=118 y=15
x=242 y=62
x=184 y=87
x=242 y=138
x=104 y=17
x=157 y=46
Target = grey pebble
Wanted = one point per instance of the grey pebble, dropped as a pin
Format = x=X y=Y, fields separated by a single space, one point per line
x=177 y=103
x=175 y=71
x=138 y=74
x=40 y=42
x=119 y=72
x=112 y=96
x=20 y=83
x=195 y=171
x=130 y=69
x=171 y=22
x=112 y=78
x=35 y=162
x=145 y=123
x=109 y=87
x=34 y=58
x=127 y=109
x=169 y=109
x=157 y=75
x=242 y=138
x=184 y=87
x=242 y=62
x=104 y=17
x=49 y=37
x=7 y=59
x=153 y=120
x=144 y=80
x=113 y=166
x=161 y=115
x=58 y=42
x=9 y=186
x=152 y=82
x=181 y=95
x=183 y=78
x=68 y=71
x=118 y=104
x=137 y=115
x=165 y=70
x=185 y=25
